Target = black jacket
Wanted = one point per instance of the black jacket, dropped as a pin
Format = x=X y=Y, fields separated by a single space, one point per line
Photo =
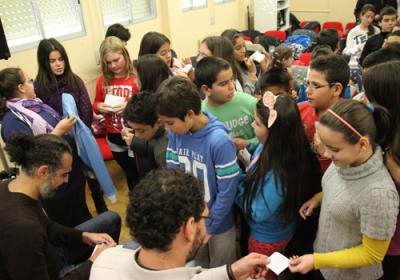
x=374 y=43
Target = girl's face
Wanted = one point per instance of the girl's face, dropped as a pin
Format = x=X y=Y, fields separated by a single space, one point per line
x=164 y=52
x=204 y=51
x=240 y=49
x=26 y=90
x=57 y=63
x=341 y=152
x=116 y=64
x=367 y=18
x=260 y=130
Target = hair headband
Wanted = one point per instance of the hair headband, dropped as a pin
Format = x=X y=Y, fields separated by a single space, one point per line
x=269 y=100
x=345 y=123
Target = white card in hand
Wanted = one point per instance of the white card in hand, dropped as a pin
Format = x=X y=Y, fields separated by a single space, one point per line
x=246 y=156
x=257 y=56
x=278 y=263
x=114 y=100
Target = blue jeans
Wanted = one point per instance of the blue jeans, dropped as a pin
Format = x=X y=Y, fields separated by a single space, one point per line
x=107 y=222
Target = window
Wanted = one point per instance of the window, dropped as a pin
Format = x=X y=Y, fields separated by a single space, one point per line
x=193 y=4
x=26 y=22
x=222 y=1
x=126 y=11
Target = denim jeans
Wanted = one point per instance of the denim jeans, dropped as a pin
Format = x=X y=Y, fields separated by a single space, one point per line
x=107 y=222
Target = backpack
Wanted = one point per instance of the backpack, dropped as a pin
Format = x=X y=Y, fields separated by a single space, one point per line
x=298 y=44
x=267 y=41
x=306 y=32
x=313 y=25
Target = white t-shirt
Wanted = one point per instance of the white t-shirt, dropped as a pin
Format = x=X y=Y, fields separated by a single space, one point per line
x=356 y=40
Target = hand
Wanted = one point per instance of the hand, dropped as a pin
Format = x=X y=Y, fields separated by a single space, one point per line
x=98 y=250
x=392 y=166
x=128 y=136
x=253 y=265
x=265 y=64
x=64 y=126
x=92 y=239
x=118 y=109
x=186 y=60
x=308 y=207
x=104 y=108
x=303 y=264
x=240 y=143
x=251 y=67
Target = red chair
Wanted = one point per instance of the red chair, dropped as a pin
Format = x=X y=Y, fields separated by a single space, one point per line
x=298 y=63
x=281 y=35
x=247 y=38
x=334 y=25
x=316 y=28
x=350 y=26
x=303 y=23
x=305 y=58
x=104 y=148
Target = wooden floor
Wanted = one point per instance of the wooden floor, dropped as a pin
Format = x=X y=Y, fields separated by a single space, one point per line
x=119 y=180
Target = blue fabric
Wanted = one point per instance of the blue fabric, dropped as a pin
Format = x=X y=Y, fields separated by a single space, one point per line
x=267 y=225
x=210 y=155
x=88 y=150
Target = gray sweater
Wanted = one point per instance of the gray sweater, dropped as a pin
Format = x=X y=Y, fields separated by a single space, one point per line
x=357 y=201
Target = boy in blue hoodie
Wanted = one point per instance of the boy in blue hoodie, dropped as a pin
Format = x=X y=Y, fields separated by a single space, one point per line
x=200 y=144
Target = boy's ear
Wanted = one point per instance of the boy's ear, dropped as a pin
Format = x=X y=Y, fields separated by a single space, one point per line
x=337 y=89
x=190 y=113
x=206 y=90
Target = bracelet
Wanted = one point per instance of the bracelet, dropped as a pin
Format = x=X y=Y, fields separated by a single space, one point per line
x=230 y=273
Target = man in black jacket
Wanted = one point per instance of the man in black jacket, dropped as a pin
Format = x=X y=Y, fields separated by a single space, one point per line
x=387 y=20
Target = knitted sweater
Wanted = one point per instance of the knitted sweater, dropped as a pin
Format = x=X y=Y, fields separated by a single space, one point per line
x=357 y=201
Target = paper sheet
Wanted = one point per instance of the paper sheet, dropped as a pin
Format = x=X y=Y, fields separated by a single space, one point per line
x=114 y=100
x=278 y=263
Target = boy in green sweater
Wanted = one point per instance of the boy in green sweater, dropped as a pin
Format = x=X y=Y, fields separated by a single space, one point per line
x=214 y=77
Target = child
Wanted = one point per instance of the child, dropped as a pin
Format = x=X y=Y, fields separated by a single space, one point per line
x=359 y=200
x=387 y=20
x=278 y=81
x=118 y=30
x=151 y=72
x=200 y=144
x=221 y=47
x=328 y=77
x=328 y=37
x=247 y=66
x=117 y=79
x=158 y=44
x=214 y=78
x=148 y=139
x=54 y=78
x=21 y=111
x=359 y=35
x=274 y=187
x=283 y=56
x=382 y=88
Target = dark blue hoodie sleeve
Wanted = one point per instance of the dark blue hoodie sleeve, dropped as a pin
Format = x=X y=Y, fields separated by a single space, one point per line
x=227 y=175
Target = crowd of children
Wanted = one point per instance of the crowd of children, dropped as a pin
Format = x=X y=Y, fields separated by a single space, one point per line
x=274 y=146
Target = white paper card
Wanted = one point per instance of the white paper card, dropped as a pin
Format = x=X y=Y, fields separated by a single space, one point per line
x=257 y=56
x=246 y=156
x=114 y=100
x=278 y=263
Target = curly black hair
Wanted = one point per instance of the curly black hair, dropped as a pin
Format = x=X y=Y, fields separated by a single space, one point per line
x=160 y=204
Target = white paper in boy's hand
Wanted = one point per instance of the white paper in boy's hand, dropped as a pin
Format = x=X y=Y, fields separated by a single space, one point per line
x=278 y=263
x=257 y=56
x=114 y=100
x=186 y=69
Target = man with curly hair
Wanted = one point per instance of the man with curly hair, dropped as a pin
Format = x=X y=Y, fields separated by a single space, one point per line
x=165 y=215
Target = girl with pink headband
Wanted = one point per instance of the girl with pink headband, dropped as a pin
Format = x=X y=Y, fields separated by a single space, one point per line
x=359 y=202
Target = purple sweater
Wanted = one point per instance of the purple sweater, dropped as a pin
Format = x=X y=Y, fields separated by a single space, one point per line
x=80 y=95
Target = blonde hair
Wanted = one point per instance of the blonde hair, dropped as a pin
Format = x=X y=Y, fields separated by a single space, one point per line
x=113 y=44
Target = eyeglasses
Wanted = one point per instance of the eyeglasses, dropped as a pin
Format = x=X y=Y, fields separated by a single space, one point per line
x=315 y=86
